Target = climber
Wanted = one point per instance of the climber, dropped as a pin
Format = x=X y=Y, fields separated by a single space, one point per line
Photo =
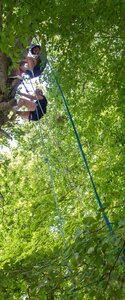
x=36 y=105
x=28 y=64
x=34 y=62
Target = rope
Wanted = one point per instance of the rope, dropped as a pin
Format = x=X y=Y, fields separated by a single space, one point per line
x=108 y=224
x=25 y=86
x=54 y=193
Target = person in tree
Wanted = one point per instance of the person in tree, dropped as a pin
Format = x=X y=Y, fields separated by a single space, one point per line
x=30 y=61
x=34 y=62
x=36 y=105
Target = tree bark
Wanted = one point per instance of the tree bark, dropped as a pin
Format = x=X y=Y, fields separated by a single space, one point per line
x=3 y=72
x=7 y=91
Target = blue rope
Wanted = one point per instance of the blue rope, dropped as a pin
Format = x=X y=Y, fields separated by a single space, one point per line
x=108 y=224
x=25 y=87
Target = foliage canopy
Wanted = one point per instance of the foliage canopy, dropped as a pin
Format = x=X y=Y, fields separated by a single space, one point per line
x=54 y=243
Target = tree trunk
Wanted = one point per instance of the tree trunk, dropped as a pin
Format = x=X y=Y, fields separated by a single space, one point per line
x=6 y=101
x=3 y=72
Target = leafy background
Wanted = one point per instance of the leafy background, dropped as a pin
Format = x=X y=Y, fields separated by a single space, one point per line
x=54 y=243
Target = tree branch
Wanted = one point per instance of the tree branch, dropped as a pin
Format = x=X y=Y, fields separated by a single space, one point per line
x=4 y=133
x=4 y=106
x=112 y=268
x=2 y=199
x=3 y=71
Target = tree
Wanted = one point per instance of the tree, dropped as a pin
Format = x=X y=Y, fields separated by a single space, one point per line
x=19 y=23
x=67 y=253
